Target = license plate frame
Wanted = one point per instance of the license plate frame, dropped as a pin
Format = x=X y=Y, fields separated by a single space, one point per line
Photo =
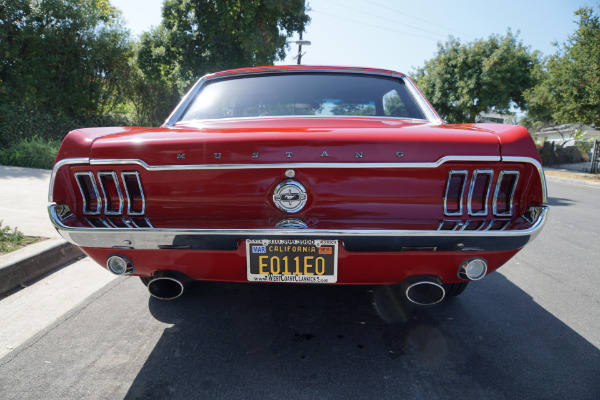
x=295 y=260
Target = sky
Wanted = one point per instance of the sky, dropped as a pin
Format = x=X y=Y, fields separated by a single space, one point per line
x=402 y=35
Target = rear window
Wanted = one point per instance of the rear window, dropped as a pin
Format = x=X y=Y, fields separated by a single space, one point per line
x=314 y=94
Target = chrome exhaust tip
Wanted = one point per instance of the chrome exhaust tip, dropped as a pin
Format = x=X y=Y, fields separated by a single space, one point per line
x=473 y=269
x=168 y=286
x=425 y=292
x=119 y=264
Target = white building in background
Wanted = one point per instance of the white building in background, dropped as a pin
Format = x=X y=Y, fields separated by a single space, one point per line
x=495 y=118
x=560 y=134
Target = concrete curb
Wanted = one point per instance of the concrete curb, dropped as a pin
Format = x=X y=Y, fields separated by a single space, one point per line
x=35 y=260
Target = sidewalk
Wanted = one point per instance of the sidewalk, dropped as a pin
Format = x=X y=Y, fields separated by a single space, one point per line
x=579 y=171
x=23 y=204
x=24 y=199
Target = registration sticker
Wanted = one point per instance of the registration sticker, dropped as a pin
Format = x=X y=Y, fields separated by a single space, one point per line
x=292 y=260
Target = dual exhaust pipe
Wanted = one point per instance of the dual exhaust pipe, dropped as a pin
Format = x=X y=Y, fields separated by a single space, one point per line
x=170 y=285
x=421 y=290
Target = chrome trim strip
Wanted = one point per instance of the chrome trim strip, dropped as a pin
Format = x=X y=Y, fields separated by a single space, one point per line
x=487 y=228
x=458 y=213
x=104 y=222
x=108 y=222
x=426 y=108
x=460 y=225
x=540 y=169
x=483 y=213
x=129 y=201
x=296 y=165
x=151 y=238
x=129 y=223
x=199 y=122
x=481 y=227
x=113 y=175
x=59 y=165
x=509 y=199
x=90 y=175
x=467 y=223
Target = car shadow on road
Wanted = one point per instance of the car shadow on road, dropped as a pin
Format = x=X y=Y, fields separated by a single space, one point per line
x=560 y=202
x=262 y=341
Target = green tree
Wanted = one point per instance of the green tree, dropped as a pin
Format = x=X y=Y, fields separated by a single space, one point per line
x=64 y=56
x=64 y=64
x=568 y=83
x=465 y=80
x=196 y=37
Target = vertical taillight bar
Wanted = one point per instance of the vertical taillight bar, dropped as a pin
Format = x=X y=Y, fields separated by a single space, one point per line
x=455 y=188
x=136 y=203
x=477 y=201
x=111 y=191
x=502 y=204
x=92 y=203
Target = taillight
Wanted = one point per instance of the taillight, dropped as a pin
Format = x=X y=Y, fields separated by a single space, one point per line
x=502 y=204
x=136 y=204
x=111 y=191
x=454 y=192
x=477 y=203
x=478 y=198
x=92 y=202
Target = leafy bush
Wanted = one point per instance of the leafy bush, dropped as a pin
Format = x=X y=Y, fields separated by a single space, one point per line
x=11 y=239
x=30 y=152
x=556 y=155
x=19 y=122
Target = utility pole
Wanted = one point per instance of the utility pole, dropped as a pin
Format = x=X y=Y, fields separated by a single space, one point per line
x=300 y=43
x=300 y=49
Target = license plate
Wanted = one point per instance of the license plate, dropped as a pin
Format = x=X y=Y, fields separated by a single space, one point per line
x=283 y=260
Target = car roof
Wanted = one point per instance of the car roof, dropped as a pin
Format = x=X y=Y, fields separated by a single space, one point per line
x=303 y=68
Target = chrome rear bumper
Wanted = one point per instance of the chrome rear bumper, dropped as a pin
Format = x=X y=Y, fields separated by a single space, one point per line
x=353 y=240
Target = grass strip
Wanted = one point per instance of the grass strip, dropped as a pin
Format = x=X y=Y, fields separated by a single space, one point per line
x=11 y=239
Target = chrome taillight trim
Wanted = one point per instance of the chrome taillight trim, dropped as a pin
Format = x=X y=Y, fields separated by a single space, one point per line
x=453 y=172
x=130 y=211
x=459 y=225
x=477 y=172
x=108 y=222
x=59 y=165
x=509 y=198
x=129 y=223
x=115 y=179
x=92 y=179
x=539 y=168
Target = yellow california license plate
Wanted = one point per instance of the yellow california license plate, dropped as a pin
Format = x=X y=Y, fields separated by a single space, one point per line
x=285 y=260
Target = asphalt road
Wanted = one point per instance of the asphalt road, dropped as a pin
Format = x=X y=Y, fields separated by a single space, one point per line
x=530 y=331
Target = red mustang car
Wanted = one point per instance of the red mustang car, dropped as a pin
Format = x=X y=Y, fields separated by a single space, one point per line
x=301 y=174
